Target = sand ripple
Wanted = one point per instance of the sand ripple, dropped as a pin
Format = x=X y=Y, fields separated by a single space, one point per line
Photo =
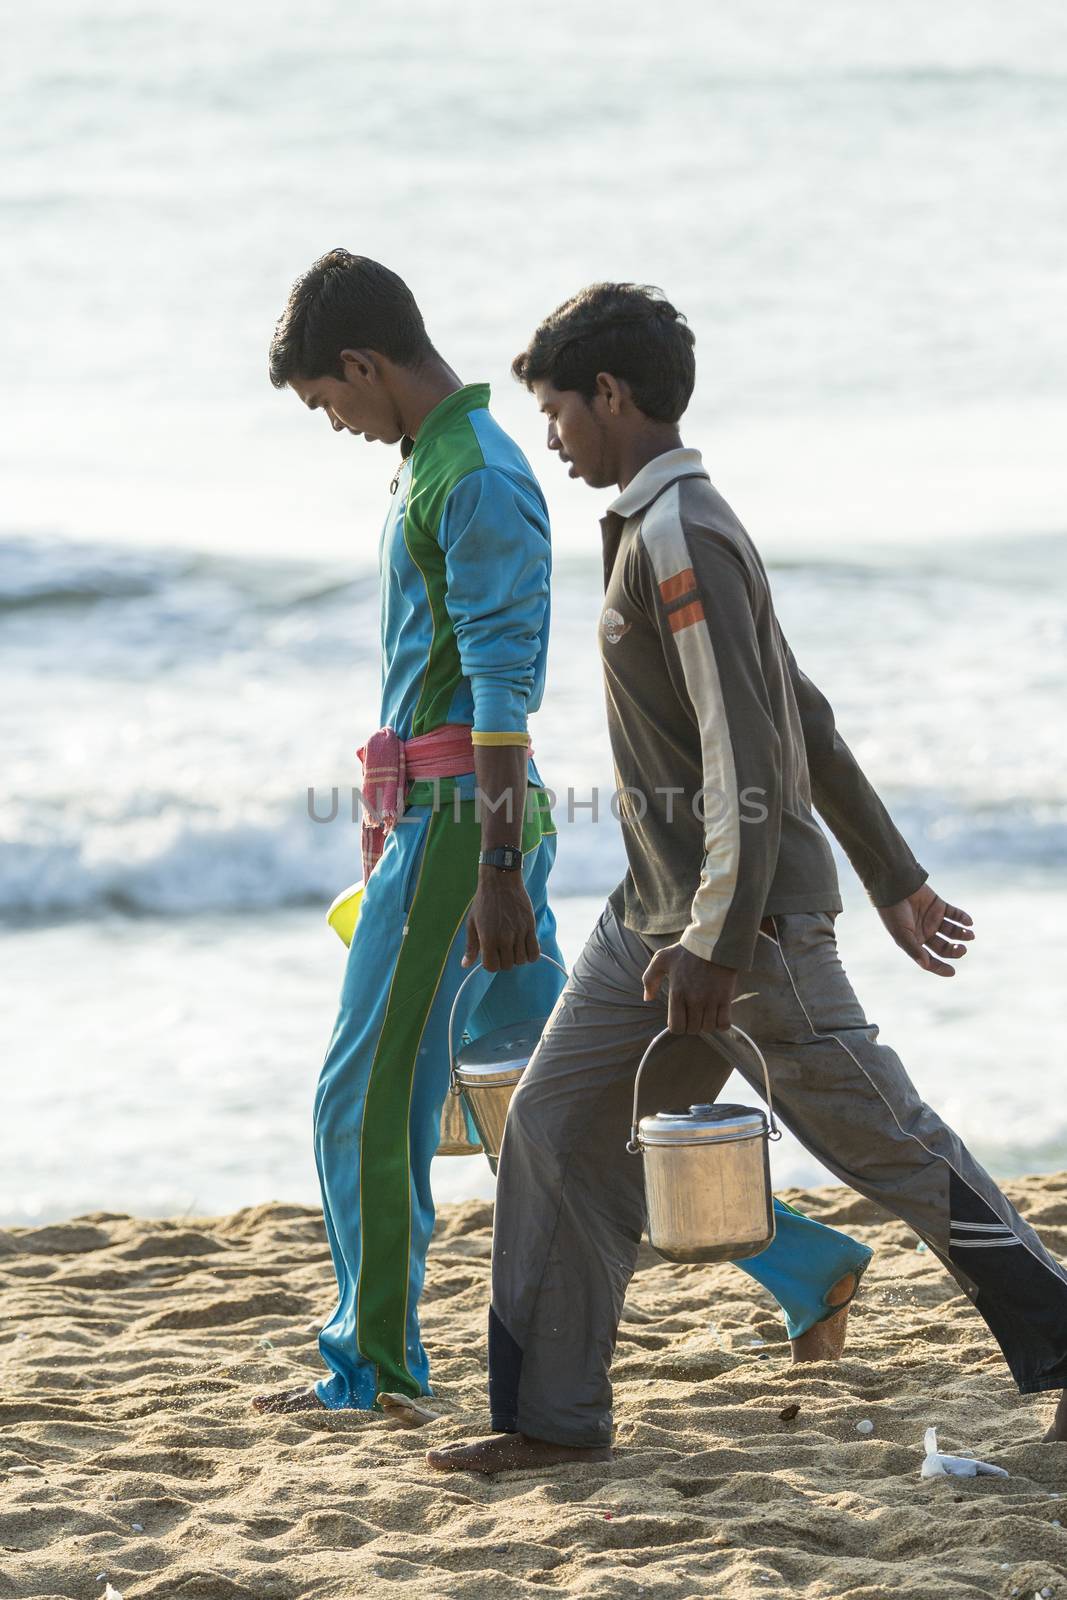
x=130 y=1351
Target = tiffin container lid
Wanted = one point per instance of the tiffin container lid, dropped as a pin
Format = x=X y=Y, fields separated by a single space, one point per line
x=703 y=1124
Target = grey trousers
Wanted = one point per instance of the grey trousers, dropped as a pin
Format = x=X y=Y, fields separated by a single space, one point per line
x=570 y=1205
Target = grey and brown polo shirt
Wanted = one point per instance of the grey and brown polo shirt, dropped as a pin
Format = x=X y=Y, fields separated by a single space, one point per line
x=721 y=745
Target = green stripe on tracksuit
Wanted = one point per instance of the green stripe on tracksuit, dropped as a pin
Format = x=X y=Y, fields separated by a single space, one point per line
x=384 y=1080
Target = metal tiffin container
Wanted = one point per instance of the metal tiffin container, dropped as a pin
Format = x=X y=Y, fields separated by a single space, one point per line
x=483 y=1077
x=707 y=1172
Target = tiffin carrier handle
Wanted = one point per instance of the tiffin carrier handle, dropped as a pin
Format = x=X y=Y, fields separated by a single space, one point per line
x=716 y=1042
x=452 y=1084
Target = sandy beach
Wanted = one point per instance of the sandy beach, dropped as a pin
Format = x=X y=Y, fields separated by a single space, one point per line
x=129 y=1455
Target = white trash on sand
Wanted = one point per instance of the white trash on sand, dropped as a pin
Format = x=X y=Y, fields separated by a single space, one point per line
x=938 y=1465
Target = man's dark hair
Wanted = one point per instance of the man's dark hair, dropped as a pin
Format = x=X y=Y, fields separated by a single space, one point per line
x=627 y=329
x=346 y=302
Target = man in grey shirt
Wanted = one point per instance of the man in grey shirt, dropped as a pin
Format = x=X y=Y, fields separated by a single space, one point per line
x=723 y=752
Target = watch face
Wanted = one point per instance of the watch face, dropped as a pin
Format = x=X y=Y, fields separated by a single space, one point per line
x=504 y=856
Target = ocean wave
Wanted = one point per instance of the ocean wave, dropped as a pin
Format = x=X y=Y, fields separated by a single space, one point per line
x=194 y=869
x=42 y=571
x=257 y=670
x=37 y=570
x=53 y=572
x=185 y=869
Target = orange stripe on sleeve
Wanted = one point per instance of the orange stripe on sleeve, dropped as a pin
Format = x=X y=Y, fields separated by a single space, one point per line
x=679 y=584
x=693 y=612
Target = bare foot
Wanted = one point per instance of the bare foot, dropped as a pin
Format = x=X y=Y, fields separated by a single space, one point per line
x=403 y=1412
x=510 y=1452
x=288 y=1400
x=826 y=1340
x=1058 y=1430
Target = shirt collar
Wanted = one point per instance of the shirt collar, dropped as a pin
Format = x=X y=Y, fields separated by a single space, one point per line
x=656 y=476
x=472 y=397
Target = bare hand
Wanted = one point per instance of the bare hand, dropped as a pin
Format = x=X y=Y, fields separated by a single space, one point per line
x=501 y=927
x=925 y=927
x=699 y=994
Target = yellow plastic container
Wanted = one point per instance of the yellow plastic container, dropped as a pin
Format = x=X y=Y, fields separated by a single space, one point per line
x=344 y=913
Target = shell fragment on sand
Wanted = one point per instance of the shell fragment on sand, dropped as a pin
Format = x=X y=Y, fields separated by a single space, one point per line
x=403 y=1412
x=938 y=1465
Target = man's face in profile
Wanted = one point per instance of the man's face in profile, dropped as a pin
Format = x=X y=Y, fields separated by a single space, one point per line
x=577 y=433
x=358 y=403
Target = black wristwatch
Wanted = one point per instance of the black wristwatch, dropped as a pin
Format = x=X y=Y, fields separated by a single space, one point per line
x=505 y=856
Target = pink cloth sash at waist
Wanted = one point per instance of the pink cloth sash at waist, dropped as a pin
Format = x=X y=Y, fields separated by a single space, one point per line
x=390 y=763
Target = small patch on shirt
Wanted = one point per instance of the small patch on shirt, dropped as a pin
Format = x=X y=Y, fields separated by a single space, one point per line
x=673 y=588
x=686 y=616
x=614 y=625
